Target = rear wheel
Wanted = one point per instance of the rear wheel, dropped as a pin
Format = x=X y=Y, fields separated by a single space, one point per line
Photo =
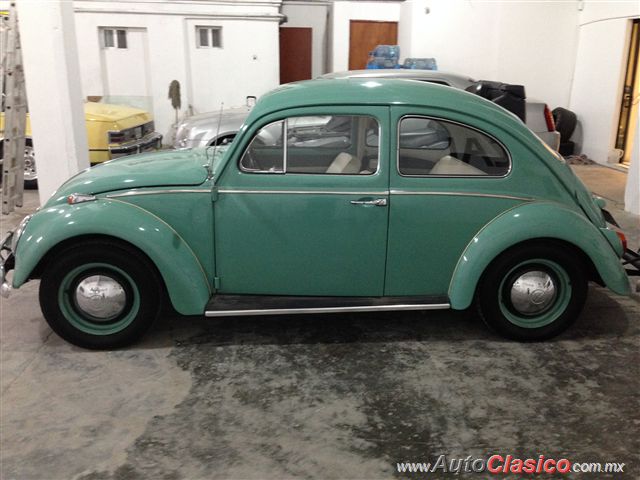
x=533 y=292
x=100 y=295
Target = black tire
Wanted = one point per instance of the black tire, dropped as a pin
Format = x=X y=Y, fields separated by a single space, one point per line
x=546 y=264
x=565 y=121
x=566 y=148
x=131 y=281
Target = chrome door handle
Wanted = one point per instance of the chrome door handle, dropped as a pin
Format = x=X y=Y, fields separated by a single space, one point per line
x=378 y=202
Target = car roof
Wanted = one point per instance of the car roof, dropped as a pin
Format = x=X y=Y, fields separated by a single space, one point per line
x=378 y=91
x=454 y=79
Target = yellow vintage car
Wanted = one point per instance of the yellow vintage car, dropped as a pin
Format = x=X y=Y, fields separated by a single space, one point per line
x=112 y=131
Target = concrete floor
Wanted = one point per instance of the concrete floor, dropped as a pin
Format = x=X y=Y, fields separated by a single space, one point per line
x=331 y=396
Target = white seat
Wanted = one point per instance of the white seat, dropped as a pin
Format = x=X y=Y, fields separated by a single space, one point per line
x=345 y=163
x=449 y=165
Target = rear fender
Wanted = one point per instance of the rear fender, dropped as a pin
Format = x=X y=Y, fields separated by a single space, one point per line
x=532 y=221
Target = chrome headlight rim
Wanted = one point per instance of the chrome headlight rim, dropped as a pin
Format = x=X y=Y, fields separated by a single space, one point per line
x=17 y=233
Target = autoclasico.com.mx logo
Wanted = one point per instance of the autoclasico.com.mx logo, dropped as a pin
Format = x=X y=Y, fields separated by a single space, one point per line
x=507 y=464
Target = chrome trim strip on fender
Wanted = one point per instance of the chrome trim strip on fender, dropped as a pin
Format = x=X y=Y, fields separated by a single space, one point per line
x=132 y=193
x=301 y=192
x=369 y=308
x=462 y=194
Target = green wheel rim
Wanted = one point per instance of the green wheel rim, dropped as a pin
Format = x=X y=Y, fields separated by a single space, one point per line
x=552 y=312
x=83 y=322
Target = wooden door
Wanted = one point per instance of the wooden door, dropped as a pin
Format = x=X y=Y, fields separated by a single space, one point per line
x=364 y=36
x=295 y=54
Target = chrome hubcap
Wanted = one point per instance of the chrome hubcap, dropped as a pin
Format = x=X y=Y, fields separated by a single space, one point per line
x=100 y=297
x=533 y=292
x=29 y=163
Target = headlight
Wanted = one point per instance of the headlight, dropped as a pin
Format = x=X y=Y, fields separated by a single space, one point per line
x=18 y=232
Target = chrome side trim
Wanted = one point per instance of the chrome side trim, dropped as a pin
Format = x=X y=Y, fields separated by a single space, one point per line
x=281 y=311
x=132 y=193
x=462 y=194
x=301 y=192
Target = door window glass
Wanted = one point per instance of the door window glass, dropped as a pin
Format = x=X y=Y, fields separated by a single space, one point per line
x=321 y=144
x=439 y=148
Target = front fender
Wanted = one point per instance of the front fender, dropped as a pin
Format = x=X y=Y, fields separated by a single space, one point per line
x=528 y=222
x=185 y=279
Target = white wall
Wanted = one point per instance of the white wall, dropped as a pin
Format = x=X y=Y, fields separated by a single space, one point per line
x=343 y=13
x=246 y=65
x=632 y=192
x=604 y=29
x=57 y=121
x=597 y=84
x=241 y=67
x=311 y=15
x=531 y=43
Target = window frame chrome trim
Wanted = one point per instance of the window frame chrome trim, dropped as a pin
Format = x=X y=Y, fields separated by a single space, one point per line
x=439 y=119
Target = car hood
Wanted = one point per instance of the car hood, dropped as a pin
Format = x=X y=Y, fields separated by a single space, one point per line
x=171 y=168
x=105 y=112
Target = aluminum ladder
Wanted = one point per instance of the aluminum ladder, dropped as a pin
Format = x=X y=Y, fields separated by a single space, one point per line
x=14 y=106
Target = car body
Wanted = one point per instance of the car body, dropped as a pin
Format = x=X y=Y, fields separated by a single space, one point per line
x=112 y=131
x=336 y=196
x=214 y=127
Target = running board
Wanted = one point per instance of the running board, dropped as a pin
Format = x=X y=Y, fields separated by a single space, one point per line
x=236 y=305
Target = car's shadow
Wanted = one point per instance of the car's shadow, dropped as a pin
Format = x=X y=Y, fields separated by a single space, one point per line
x=602 y=317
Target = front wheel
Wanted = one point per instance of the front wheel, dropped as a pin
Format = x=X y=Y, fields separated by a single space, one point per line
x=100 y=295
x=533 y=292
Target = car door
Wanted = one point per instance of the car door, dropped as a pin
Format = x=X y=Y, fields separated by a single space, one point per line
x=448 y=179
x=302 y=207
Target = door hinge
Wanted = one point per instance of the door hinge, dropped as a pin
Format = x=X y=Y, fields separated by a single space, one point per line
x=214 y=194
x=216 y=282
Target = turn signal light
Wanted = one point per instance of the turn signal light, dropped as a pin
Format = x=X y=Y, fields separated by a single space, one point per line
x=75 y=198
x=622 y=238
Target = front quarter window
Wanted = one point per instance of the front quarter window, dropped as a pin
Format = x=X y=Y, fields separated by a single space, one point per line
x=265 y=153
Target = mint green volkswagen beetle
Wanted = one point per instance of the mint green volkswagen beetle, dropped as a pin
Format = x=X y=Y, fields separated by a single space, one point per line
x=336 y=196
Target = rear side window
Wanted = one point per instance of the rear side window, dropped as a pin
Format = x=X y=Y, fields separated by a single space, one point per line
x=434 y=147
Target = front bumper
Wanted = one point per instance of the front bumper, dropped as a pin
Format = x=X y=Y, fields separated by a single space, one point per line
x=145 y=144
x=7 y=262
